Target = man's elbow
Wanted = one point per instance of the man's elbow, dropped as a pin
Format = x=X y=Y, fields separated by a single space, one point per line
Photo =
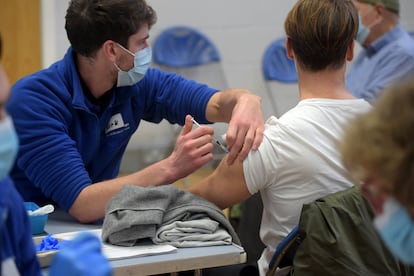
x=82 y=215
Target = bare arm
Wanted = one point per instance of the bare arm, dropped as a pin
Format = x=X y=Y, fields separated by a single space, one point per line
x=242 y=110
x=225 y=187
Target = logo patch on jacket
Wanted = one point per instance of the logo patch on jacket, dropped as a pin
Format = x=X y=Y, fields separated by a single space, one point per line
x=116 y=122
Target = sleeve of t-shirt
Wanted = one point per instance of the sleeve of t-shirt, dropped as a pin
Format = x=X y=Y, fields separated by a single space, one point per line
x=260 y=167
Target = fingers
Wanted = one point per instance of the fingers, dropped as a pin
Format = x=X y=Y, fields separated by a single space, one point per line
x=231 y=135
x=188 y=125
x=86 y=242
x=258 y=137
x=193 y=147
x=247 y=144
x=82 y=256
x=241 y=141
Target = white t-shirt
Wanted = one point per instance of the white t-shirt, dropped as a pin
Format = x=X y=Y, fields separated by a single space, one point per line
x=297 y=163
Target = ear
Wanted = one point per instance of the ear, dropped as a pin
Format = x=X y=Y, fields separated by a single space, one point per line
x=109 y=49
x=350 y=51
x=289 y=50
x=380 y=8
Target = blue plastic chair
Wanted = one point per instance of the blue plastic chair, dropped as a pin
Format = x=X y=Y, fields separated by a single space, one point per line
x=183 y=46
x=280 y=75
x=285 y=251
x=188 y=52
x=276 y=65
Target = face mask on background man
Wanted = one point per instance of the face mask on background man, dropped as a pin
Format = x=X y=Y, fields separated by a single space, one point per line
x=142 y=61
x=364 y=31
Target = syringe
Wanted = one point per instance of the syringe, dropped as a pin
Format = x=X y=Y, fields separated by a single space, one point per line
x=215 y=140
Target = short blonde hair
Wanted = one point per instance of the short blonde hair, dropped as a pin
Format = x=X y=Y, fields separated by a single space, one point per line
x=382 y=142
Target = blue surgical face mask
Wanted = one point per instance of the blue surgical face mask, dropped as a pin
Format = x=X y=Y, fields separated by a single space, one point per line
x=8 y=146
x=396 y=228
x=363 y=32
x=142 y=61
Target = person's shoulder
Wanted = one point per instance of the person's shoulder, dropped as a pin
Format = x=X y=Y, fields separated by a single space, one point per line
x=155 y=72
x=42 y=77
x=310 y=111
x=58 y=73
x=401 y=43
x=291 y=121
x=48 y=82
x=155 y=76
x=158 y=78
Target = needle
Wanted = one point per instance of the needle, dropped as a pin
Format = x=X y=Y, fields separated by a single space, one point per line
x=215 y=140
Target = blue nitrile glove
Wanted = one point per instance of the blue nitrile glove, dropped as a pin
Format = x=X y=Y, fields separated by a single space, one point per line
x=50 y=243
x=81 y=256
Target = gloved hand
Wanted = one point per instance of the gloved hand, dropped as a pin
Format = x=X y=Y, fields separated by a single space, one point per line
x=81 y=256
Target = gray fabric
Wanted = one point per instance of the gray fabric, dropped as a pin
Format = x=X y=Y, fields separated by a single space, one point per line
x=136 y=213
x=192 y=233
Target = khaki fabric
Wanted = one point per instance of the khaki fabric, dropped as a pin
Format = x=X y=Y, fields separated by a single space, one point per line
x=340 y=239
x=392 y=5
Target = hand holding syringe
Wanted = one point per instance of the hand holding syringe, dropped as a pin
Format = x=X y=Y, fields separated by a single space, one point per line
x=215 y=140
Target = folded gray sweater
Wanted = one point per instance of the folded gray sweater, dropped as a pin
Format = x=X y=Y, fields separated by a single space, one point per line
x=136 y=214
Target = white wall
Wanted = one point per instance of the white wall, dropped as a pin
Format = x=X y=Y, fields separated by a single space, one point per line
x=241 y=29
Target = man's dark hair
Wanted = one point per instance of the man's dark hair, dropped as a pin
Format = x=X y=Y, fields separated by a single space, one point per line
x=89 y=23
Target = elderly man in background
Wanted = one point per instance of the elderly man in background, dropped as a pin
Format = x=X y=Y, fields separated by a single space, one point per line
x=388 y=50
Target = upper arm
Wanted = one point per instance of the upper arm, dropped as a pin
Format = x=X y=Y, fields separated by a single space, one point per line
x=172 y=97
x=225 y=187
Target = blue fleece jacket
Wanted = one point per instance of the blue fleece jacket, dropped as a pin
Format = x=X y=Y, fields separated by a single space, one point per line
x=68 y=141
x=16 y=242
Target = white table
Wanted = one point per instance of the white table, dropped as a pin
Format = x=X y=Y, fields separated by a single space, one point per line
x=183 y=259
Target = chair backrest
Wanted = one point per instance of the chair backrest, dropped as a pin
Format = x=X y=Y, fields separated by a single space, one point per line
x=280 y=75
x=276 y=65
x=188 y=52
x=184 y=46
x=285 y=252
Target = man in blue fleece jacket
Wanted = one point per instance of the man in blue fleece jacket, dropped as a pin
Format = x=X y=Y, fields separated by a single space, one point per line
x=75 y=118
x=82 y=256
